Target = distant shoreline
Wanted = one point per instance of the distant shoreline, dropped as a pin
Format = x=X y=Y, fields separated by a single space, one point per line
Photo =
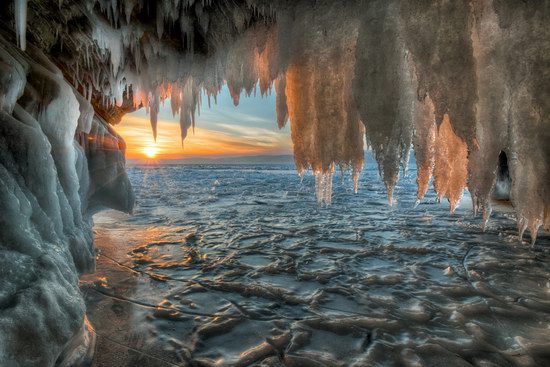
x=231 y=160
x=255 y=159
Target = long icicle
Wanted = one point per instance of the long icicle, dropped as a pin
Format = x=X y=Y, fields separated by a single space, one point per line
x=21 y=23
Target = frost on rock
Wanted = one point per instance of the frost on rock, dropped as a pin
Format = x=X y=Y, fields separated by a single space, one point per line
x=109 y=183
x=45 y=222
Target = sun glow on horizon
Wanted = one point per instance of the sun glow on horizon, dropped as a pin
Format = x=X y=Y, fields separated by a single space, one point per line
x=150 y=152
x=222 y=130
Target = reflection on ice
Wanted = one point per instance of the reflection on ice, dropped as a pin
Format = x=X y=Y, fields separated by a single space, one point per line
x=283 y=282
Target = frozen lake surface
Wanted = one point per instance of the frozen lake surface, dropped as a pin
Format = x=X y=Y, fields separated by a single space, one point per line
x=239 y=266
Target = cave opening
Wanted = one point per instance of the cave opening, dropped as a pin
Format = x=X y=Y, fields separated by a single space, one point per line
x=274 y=183
x=221 y=131
x=503 y=180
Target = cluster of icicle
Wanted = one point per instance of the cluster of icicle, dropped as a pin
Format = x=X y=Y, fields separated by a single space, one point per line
x=461 y=82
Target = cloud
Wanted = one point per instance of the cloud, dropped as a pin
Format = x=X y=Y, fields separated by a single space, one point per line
x=223 y=129
x=217 y=139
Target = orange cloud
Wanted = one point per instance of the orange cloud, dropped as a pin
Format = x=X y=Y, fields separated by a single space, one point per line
x=233 y=139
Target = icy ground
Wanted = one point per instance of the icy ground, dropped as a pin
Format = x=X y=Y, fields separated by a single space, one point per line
x=240 y=266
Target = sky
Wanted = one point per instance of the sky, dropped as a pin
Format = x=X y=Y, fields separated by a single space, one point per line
x=222 y=130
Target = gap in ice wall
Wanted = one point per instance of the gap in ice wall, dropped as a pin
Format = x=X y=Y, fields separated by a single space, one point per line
x=222 y=130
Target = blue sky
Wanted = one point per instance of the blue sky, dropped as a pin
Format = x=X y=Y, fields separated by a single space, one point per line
x=224 y=129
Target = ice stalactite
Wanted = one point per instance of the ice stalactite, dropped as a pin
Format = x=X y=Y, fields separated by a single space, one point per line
x=438 y=37
x=383 y=88
x=525 y=36
x=323 y=185
x=512 y=110
x=154 y=107
x=189 y=101
x=280 y=102
x=399 y=67
x=109 y=41
x=267 y=59
x=241 y=68
x=424 y=145
x=21 y=23
x=325 y=126
x=451 y=164
x=491 y=126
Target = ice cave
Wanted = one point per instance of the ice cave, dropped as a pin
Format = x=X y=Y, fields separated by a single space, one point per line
x=410 y=228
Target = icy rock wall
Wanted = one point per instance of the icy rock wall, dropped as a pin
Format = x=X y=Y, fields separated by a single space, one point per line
x=45 y=222
x=109 y=183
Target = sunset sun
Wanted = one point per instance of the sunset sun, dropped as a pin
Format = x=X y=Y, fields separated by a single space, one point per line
x=150 y=152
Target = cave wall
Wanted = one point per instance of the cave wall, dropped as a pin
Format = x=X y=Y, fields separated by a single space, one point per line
x=50 y=186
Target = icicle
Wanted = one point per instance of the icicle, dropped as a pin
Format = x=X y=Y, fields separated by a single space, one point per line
x=90 y=91
x=160 y=19
x=424 y=145
x=323 y=185
x=154 y=110
x=21 y=23
x=534 y=226
x=522 y=226
x=383 y=89
x=128 y=8
x=451 y=164
x=280 y=102
x=175 y=100
x=355 y=177
x=487 y=210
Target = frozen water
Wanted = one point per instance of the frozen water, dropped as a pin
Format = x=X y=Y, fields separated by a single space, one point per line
x=238 y=265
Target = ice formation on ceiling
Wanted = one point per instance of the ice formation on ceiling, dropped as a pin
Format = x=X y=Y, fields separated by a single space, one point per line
x=459 y=82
